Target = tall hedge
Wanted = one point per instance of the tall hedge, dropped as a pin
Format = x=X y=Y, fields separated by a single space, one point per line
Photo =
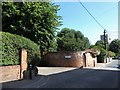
x=11 y=46
x=101 y=56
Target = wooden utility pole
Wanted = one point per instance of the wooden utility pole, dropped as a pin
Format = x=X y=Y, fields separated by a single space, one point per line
x=105 y=43
x=105 y=38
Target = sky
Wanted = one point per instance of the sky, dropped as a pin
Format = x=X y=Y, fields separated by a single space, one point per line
x=74 y=16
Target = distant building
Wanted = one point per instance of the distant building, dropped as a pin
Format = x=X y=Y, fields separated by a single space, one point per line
x=102 y=37
x=106 y=38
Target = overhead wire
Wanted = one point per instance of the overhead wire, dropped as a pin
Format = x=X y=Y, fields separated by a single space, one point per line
x=91 y=15
x=94 y=18
x=104 y=13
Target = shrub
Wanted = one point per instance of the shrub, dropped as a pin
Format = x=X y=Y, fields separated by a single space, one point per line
x=11 y=45
x=101 y=56
x=110 y=54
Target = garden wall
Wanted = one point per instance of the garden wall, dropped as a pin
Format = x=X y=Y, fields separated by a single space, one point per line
x=69 y=59
x=14 y=72
x=89 y=60
x=9 y=73
x=63 y=59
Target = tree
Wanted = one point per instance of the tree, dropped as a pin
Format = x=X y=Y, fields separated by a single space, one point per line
x=115 y=47
x=101 y=57
x=37 y=21
x=71 y=40
x=103 y=52
x=110 y=54
x=100 y=43
x=95 y=49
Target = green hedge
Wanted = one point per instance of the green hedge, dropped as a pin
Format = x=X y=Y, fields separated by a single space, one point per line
x=101 y=57
x=10 y=50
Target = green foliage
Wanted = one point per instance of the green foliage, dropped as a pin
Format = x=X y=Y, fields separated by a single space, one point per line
x=71 y=40
x=10 y=49
x=110 y=54
x=115 y=47
x=101 y=57
x=102 y=52
x=37 y=21
x=95 y=48
x=100 y=43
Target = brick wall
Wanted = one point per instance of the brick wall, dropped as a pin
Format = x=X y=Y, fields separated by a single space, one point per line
x=95 y=61
x=15 y=72
x=23 y=65
x=9 y=73
x=69 y=59
x=74 y=59
x=89 y=60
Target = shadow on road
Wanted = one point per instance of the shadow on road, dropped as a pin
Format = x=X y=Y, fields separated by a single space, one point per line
x=77 y=78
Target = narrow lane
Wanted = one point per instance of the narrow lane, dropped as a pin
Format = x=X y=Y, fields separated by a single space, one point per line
x=89 y=79
x=86 y=78
x=74 y=78
x=115 y=63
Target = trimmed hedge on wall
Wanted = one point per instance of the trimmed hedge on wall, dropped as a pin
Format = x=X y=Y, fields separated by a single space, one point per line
x=11 y=46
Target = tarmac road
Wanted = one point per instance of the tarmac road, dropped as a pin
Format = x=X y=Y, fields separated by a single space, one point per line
x=114 y=64
x=103 y=77
x=83 y=78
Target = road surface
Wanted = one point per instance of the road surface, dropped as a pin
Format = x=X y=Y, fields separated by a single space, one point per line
x=104 y=77
x=114 y=64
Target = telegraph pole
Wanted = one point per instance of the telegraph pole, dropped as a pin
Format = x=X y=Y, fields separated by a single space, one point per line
x=105 y=43
x=104 y=38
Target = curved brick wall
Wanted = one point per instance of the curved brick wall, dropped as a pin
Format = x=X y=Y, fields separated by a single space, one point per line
x=58 y=59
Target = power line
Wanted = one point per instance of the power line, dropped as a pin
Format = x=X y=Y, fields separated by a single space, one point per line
x=100 y=26
x=95 y=18
x=91 y=15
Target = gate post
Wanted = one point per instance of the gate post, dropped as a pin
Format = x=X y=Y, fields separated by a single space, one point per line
x=23 y=65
